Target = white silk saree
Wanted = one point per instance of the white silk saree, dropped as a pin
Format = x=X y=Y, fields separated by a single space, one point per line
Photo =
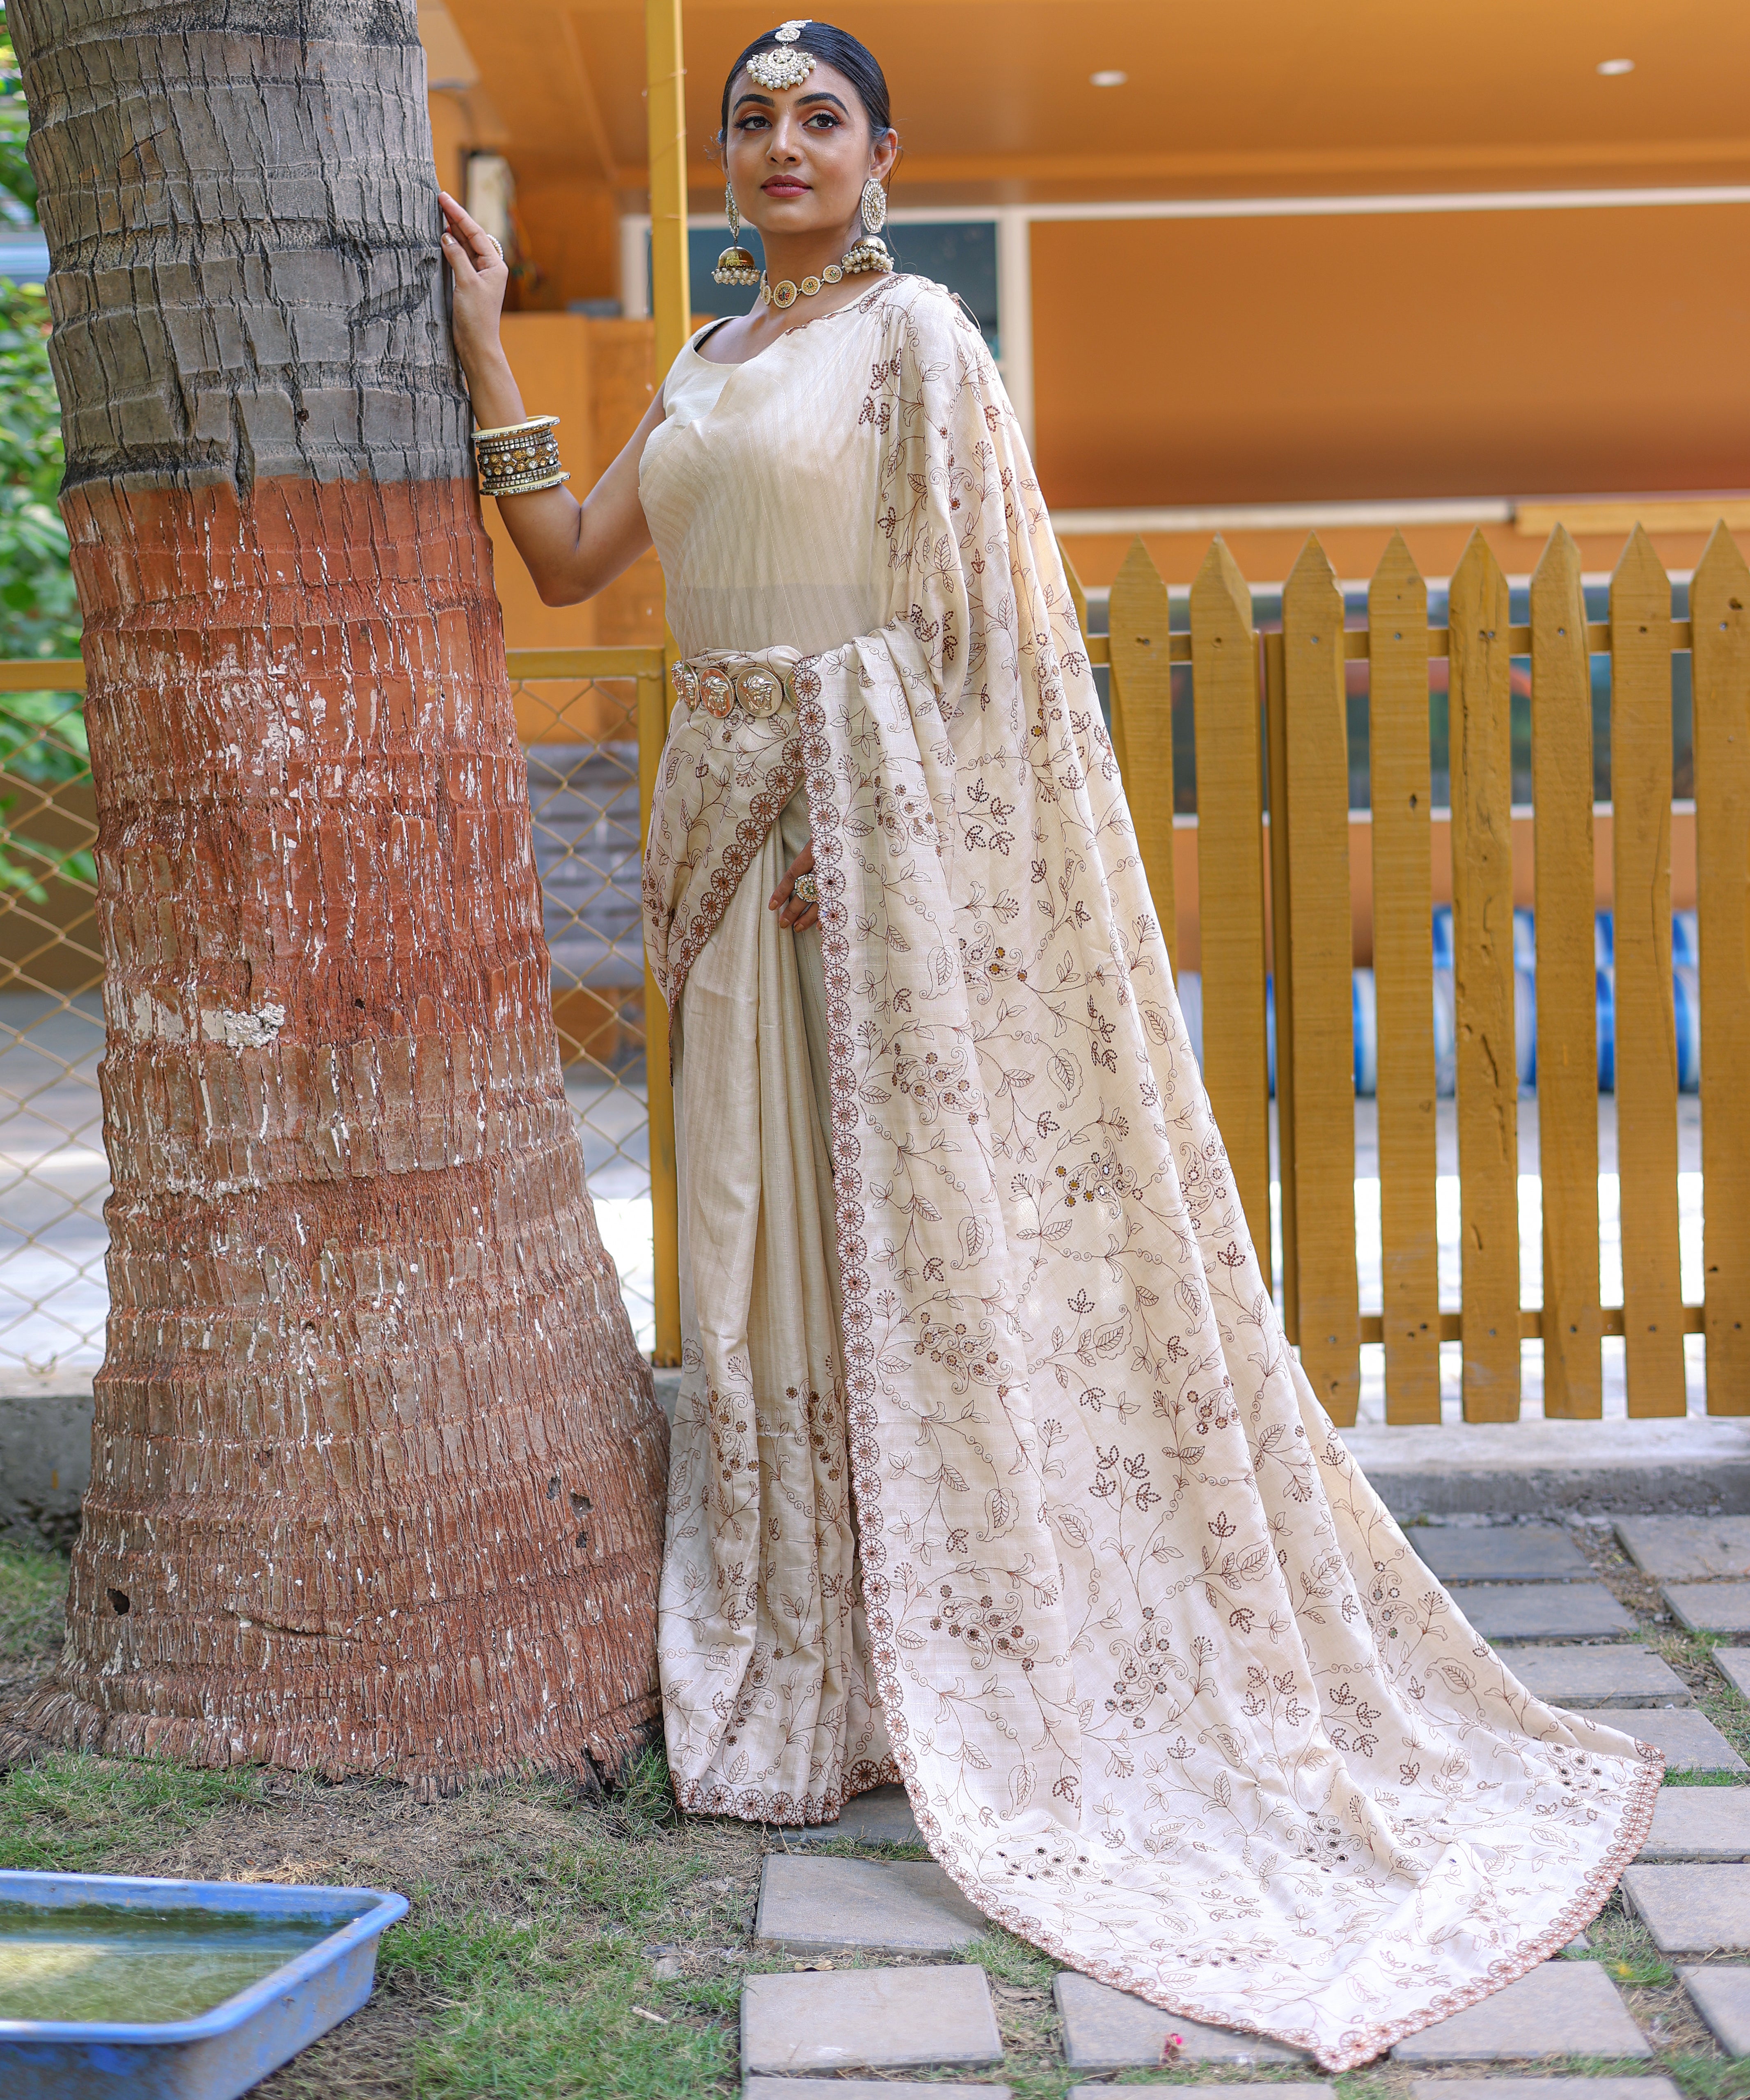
x=992 y=1466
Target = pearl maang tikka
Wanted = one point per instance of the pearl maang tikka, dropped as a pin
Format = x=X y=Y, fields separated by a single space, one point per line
x=786 y=68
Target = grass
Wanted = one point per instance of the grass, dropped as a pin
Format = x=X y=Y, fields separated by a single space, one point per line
x=74 y=1815
x=33 y=1592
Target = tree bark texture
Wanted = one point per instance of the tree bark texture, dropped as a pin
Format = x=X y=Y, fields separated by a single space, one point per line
x=378 y=1471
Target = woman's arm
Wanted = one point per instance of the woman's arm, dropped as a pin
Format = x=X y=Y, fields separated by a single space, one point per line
x=571 y=550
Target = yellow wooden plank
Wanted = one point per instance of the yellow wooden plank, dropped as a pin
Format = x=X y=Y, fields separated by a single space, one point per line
x=1684 y=513
x=1282 y=970
x=583 y=663
x=1231 y=880
x=665 y=112
x=41 y=674
x=1078 y=596
x=1323 y=1078
x=1142 y=723
x=1397 y=618
x=665 y=1201
x=1720 y=610
x=1647 y=1050
x=1530 y=1323
x=1480 y=759
x=1568 y=1007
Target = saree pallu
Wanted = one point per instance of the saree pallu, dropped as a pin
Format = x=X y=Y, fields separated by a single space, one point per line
x=1173 y=1698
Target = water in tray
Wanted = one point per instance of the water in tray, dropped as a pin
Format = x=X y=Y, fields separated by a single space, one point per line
x=102 y=1962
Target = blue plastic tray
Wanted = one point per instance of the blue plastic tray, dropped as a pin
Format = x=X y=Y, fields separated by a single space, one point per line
x=226 y=2051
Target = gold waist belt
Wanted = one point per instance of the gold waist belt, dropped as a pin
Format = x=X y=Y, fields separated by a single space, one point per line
x=723 y=680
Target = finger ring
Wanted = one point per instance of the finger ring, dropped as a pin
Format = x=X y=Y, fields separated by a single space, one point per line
x=806 y=889
x=496 y=244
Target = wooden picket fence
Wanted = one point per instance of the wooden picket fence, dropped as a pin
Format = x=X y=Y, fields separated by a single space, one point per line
x=1273 y=843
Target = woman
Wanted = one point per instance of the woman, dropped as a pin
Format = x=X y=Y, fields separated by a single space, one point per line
x=1171 y=1696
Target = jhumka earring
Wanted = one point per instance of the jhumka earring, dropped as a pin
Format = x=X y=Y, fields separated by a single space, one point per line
x=870 y=252
x=735 y=265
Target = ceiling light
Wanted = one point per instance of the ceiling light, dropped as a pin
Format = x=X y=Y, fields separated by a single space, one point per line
x=1610 y=67
x=1109 y=79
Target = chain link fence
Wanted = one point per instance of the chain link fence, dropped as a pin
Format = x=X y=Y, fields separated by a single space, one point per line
x=581 y=738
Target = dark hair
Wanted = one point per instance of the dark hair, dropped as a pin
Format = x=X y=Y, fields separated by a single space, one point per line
x=837 y=48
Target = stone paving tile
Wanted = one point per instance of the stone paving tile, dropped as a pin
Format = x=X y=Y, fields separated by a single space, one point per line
x=1734 y=1665
x=871 y=2088
x=883 y=1816
x=1721 y=1996
x=1542 y=2089
x=1108 y=2030
x=868 y=2019
x=1623 y=1674
x=1687 y=1549
x=1710 y=1823
x=1710 y=1607
x=1692 y=1909
x=816 y=1906
x=1563 y=2009
x=1689 y=1739
x=1544 y=1611
x=1500 y=1553
x=1288 y=2089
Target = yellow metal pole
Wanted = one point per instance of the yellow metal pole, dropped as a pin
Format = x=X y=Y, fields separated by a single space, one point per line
x=671 y=306
x=665 y=1214
x=671 y=294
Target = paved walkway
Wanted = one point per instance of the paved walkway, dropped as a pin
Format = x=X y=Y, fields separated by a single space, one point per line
x=890 y=1974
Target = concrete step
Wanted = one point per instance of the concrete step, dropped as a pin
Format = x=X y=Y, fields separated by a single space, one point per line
x=883 y=1816
x=1623 y=1674
x=1687 y=1549
x=1545 y=1611
x=1562 y=2009
x=1692 y=1909
x=831 y=1906
x=1501 y=1553
x=1706 y=1824
x=1689 y=1739
x=868 y=2019
x=1721 y=1996
x=1710 y=1607
x=1108 y=2030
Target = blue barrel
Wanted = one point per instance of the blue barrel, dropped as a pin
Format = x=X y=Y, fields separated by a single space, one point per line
x=1686 y=1000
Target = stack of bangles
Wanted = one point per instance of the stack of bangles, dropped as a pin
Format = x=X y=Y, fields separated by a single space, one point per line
x=520 y=458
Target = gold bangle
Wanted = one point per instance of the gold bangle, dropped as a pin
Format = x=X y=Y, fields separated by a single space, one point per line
x=517 y=430
x=519 y=459
x=528 y=485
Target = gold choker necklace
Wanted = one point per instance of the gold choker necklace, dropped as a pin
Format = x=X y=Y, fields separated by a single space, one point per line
x=868 y=253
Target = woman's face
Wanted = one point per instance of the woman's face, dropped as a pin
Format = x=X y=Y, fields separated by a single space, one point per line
x=798 y=157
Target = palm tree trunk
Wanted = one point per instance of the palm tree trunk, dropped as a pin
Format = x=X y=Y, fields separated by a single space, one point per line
x=377 y=1468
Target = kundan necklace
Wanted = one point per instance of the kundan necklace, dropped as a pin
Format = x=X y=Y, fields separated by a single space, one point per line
x=868 y=253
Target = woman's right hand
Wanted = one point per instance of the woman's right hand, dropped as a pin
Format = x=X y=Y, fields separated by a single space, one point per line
x=481 y=276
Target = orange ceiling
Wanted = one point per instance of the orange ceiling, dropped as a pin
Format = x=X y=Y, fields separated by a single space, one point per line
x=991 y=97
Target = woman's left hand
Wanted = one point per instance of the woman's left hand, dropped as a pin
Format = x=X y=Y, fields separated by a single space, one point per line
x=798 y=913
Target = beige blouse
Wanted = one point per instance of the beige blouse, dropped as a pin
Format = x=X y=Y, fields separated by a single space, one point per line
x=801 y=569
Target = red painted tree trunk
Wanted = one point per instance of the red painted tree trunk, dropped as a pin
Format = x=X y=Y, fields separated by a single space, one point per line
x=377 y=1469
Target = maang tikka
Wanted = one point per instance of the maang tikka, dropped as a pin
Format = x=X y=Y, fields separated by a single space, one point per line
x=788 y=67
x=735 y=265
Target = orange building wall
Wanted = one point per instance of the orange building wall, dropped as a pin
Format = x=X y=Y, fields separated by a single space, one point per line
x=1497 y=353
